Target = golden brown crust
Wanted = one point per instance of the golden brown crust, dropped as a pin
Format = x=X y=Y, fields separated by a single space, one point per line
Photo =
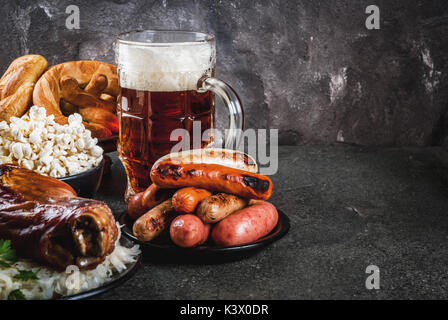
x=17 y=84
x=46 y=221
x=33 y=186
x=81 y=84
x=219 y=206
x=154 y=222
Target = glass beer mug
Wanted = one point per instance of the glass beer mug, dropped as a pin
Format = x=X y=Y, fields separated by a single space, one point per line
x=167 y=83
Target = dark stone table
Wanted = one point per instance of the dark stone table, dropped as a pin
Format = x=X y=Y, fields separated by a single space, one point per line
x=350 y=207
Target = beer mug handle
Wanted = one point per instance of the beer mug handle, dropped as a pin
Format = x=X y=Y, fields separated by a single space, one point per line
x=233 y=103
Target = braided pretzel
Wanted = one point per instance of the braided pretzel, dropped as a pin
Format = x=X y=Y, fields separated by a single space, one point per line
x=17 y=84
x=86 y=87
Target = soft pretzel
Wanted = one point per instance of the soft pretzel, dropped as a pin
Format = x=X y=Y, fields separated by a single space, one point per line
x=87 y=87
x=17 y=84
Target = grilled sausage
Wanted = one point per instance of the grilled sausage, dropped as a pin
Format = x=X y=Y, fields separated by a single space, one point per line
x=144 y=201
x=246 y=225
x=188 y=231
x=214 y=177
x=225 y=157
x=186 y=200
x=135 y=206
x=154 y=222
x=215 y=208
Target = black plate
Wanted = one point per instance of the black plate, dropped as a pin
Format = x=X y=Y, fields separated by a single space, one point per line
x=164 y=243
x=86 y=183
x=117 y=279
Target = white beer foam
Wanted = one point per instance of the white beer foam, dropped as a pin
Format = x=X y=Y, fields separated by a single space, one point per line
x=165 y=68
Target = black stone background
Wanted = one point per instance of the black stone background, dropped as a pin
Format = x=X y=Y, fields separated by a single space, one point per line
x=308 y=68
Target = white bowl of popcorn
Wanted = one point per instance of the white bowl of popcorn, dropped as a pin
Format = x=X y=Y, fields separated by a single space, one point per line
x=36 y=142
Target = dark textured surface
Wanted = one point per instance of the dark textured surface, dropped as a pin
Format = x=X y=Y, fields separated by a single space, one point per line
x=350 y=207
x=309 y=68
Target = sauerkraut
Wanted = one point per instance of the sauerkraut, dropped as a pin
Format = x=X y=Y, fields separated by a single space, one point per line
x=52 y=284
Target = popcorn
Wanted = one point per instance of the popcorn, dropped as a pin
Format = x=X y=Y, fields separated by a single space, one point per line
x=28 y=164
x=37 y=142
x=97 y=151
x=4 y=126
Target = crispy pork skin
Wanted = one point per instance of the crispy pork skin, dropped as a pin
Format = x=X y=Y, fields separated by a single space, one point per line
x=46 y=221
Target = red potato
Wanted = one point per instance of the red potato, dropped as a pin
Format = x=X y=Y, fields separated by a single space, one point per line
x=189 y=231
x=246 y=225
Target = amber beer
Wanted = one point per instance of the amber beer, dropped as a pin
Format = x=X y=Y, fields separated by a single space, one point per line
x=166 y=80
x=147 y=120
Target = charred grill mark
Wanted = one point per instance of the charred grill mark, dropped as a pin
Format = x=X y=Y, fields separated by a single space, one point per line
x=170 y=170
x=255 y=183
x=246 y=159
x=220 y=199
x=154 y=224
x=161 y=222
x=193 y=173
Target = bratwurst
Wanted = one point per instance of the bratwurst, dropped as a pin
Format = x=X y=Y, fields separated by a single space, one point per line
x=144 y=201
x=214 y=177
x=215 y=208
x=154 y=222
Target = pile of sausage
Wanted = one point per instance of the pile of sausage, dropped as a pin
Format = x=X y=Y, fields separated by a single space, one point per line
x=195 y=201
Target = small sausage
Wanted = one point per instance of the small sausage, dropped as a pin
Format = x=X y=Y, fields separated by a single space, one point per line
x=154 y=222
x=188 y=231
x=214 y=177
x=144 y=201
x=186 y=200
x=135 y=206
x=215 y=208
x=246 y=225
